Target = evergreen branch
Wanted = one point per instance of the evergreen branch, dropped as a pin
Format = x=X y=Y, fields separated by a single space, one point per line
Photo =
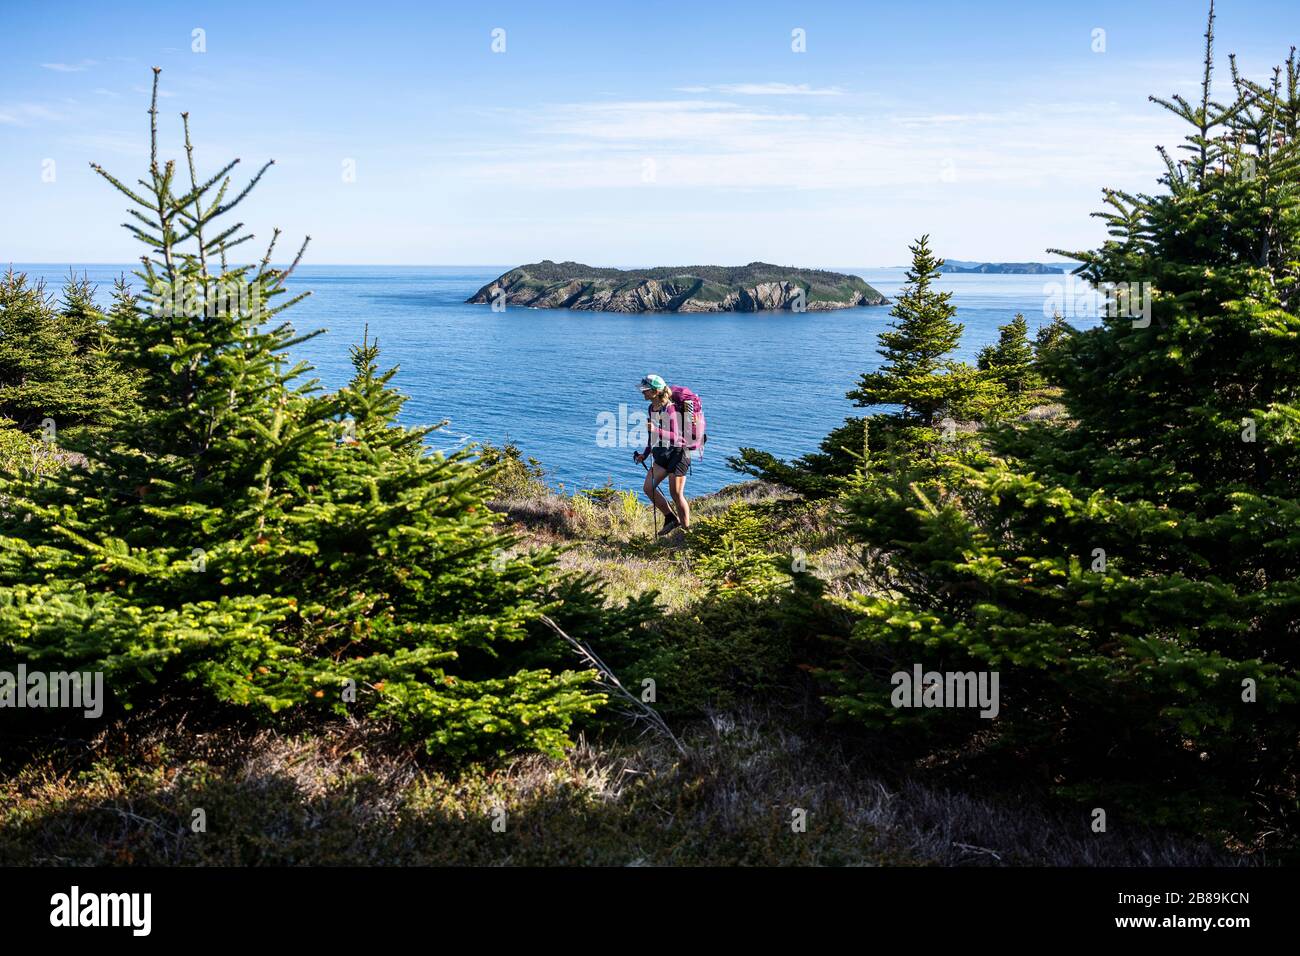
x=121 y=187
x=1173 y=172
x=1209 y=62
x=230 y=245
x=1183 y=109
x=293 y=265
x=1205 y=96
x=244 y=192
x=142 y=217
x=266 y=259
x=153 y=127
x=217 y=199
x=297 y=340
x=292 y=302
x=142 y=235
x=226 y=234
x=197 y=191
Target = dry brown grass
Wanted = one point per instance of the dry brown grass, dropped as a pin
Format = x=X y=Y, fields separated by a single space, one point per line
x=352 y=795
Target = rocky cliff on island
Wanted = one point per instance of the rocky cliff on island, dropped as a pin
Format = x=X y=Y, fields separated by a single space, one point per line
x=756 y=287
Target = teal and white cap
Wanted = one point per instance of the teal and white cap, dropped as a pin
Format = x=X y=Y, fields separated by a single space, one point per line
x=653 y=382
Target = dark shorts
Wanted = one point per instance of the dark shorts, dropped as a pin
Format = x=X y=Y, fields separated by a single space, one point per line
x=675 y=461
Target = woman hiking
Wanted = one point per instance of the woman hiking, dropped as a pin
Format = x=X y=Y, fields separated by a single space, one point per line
x=675 y=423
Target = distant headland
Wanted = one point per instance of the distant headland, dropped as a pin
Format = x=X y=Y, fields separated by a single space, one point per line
x=1003 y=268
x=756 y=287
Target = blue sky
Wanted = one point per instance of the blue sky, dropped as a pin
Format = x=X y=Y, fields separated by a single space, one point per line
x=612 y=133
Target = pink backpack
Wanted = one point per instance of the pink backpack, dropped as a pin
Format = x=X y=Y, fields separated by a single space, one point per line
x=690 y=412
x=683 y=427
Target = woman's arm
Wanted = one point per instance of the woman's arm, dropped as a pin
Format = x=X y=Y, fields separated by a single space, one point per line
x=665 y=427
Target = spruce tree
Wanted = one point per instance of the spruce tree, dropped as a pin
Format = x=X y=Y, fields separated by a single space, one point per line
x=1011 y=362
x=36 y=362
x=57 y=374
x=932 y=392
x=1048 y=337
x=246 y=536
x=1132 y=574
x=917 y=374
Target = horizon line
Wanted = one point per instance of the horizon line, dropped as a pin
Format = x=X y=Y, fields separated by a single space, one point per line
x=494 y=265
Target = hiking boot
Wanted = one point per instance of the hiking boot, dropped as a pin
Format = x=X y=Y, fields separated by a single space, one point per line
x=670 y=525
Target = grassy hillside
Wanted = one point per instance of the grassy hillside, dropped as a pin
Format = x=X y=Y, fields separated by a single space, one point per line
x=735 y=686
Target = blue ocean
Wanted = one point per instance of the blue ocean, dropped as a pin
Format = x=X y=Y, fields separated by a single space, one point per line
x=550 y=379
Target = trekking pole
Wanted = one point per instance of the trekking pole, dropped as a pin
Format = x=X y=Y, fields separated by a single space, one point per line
x=654 y=511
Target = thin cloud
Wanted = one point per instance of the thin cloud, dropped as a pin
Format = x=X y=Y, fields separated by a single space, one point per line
x=725 y=146
x=942 y=119
x=69 y=67
x=120 y=144
x=764 y=89
x=23 y=114
x=656 y=121
x=161 y=92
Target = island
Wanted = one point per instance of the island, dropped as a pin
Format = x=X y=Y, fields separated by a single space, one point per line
x=756 y=287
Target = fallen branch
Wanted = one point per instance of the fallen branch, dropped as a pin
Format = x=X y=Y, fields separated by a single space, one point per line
x=608 y=681
x=978 y=849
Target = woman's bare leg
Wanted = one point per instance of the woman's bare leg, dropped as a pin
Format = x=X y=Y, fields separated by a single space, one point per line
x=677 y=488
x=652 y=479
